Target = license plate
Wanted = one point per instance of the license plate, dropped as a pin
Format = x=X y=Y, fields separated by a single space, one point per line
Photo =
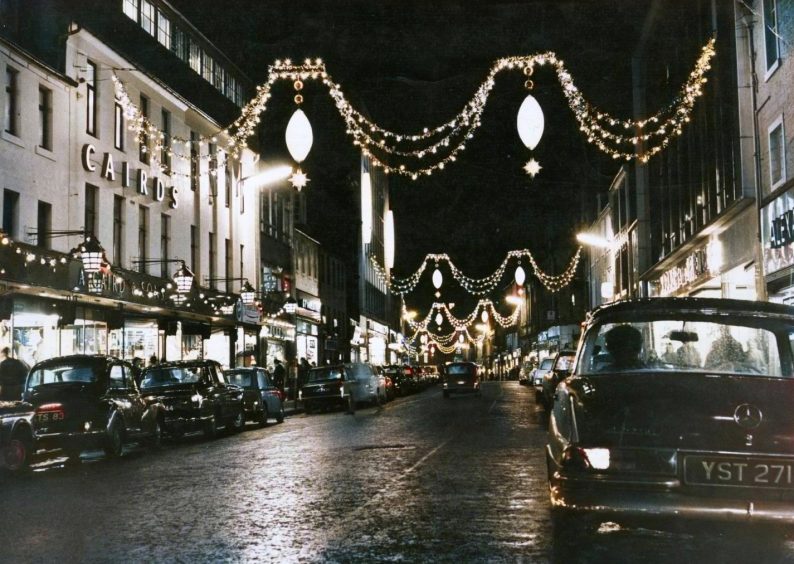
x=739 y=471
x=49 y=416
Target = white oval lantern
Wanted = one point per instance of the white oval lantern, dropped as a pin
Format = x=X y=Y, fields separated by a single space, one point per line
x=530 y=122
x=521 y=276
x=438 y=279
x=299 y=136
x=484 y=316
x=461 y=338
x=439 y=319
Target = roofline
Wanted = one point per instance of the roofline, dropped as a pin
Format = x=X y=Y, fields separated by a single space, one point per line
x=27 y=54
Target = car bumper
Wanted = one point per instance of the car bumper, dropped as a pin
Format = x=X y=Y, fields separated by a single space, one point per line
x=177 y=424
x=640 y=500
x=70 y=441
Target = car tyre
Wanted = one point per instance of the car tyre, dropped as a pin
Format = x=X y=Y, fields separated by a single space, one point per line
x=280 y=416
x=156 y=439
x=238 y=422
x=211 y=427
x=114 y=446
x=263 y=416
x=16 y=454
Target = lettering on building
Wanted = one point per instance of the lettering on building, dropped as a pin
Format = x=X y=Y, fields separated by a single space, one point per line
x=782 y=230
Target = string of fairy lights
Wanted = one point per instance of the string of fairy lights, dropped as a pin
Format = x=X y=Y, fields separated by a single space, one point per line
x=440 y=312
x=478 y=286
x=418 y=154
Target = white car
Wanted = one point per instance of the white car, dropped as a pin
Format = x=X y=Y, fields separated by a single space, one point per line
x=536 y=378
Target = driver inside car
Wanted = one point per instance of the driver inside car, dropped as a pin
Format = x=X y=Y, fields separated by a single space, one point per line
x=624 y=344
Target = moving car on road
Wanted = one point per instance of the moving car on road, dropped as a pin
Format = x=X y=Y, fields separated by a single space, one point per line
x=196 y=397
x=343 y=384
x=461 y=377
x=261 y=398
x=89 y=401
x=688 y=416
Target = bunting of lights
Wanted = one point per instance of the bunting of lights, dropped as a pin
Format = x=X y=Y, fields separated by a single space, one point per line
x=480 y=286
x=440 y=311
x=433 y=148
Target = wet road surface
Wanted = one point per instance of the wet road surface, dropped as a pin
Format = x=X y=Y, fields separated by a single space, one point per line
x=422 y=479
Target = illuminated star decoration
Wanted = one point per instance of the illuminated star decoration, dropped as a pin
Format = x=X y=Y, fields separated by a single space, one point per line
x=532 y=167
x=299 y=179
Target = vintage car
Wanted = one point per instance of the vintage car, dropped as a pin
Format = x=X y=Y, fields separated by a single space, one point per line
x=196 y=397
x=537 y=375
x=89 y=401
x=261 y=398
x=676 y=408
x=560 y=369
x=343 y=385
x=461 y=377
x=16 y=435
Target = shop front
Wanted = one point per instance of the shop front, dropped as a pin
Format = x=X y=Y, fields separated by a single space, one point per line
x=777 y=243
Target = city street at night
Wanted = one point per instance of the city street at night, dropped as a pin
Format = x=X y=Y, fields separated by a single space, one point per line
x=421 y=479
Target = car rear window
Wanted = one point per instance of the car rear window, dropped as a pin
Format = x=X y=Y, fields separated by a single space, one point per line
x=460 y=370
x=724 y=346
x=323 y=374
x=546 y=364
x=56 y=374
x=242 y=378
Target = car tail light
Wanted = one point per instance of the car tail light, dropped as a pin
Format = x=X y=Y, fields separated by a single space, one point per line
x=586 y=458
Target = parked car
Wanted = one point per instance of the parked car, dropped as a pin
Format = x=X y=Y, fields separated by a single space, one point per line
x=16 y=435
x=538 y=374
x=261 y=398
x=704 y=431
x=343 y=384
x=461 y=377
x=412 y=379
x=525 y=373
x=399 y=384
x=560 y=369
x=196 y=397
x=90 y=401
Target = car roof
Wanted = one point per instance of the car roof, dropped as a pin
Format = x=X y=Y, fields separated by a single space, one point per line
x=717 y=306
x=77 y=357
x=183 y=364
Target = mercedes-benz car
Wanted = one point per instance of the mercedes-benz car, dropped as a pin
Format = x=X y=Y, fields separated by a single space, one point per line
x=677 y=408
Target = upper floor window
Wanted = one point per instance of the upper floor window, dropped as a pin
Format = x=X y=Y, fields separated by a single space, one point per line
x=148 y=17
x=165 y=243
x=771 y=43
x=165 y=149
x=11 y=119
x=44 y=224
x=207 y=67
x=118 y=127
x=777 y=153
x=10 y=212
x=45 y=118
x=143 y=147
x=130 y=8
x=90 y=98
x=90 y=212
x=195 y=56
x=163 y=30
x=143 y=236
x=179 y=44
x=194 y=157
x=118 y=229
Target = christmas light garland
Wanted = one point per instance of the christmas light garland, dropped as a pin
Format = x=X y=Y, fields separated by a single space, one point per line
x=484 y=308
x=478 y=286
x=622 y=139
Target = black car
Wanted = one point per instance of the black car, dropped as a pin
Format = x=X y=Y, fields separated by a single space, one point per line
x=89 y=401
x=16 y=435
x=400 y=383
x=461 y=378
x=261 y=398
x=677 y=408
x=196 y=397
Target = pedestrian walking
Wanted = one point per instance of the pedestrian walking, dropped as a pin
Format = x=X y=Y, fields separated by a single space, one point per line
x=279 y=374
x=12 y=376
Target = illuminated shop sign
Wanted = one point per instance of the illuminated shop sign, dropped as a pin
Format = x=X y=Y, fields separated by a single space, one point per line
x=777 y=234
x=145 y=186
x=702 y=262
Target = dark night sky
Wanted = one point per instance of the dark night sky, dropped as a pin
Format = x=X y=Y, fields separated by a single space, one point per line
x=414 y=64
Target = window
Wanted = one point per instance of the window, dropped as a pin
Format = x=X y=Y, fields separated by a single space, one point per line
x=163 y=30
x=143 y=231
x=131 y=9
x=165 y=151
x=179 y=44
x=165 y=243
x=217 y=77
x=89 y=219
x=45 y=118
x=12 y=102
x=229 y=269
x=231 y=84
x=777 y=154
x=212 y=253
x=194 y=165
x=90 y=98
x=143 y=147
x=213 y=170
x=117 y=377
x=10 y=212
x=44 y=225
x=195 y=56
x=147 y=17
x=242 y=254
x=771 y=44
x=227 y=170
x=118 y=127
x=194 y=249
x=118 y=229
x=207 y=67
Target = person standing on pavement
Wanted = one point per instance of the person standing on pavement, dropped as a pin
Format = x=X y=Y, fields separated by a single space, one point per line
x=303 y=372
x=12 y=376
x=279 y=374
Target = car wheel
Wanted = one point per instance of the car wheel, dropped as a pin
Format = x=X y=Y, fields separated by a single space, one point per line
x=16 y=454
x=156 y=438
x=280 y=416
x=115 y=441
x=263 y=416
x=211 y=427
x=238 y=422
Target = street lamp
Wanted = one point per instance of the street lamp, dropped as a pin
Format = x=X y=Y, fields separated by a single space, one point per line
x=183 y=277
x=593 y=240
x=268 y=176
x=247 y=292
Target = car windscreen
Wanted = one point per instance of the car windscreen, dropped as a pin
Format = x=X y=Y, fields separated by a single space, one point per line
x=324 y=374
x=459 y=370
x=242 y=378
x=718 y=346
x=60 y=373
